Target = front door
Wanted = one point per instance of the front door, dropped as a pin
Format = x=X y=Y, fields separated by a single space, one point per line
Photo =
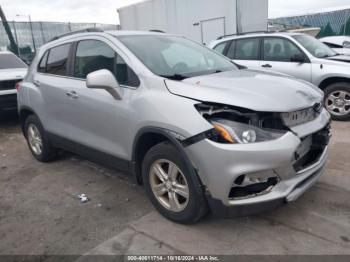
x=277 y=55
x=98 y=120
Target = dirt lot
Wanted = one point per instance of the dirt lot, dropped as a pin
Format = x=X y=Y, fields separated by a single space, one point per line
x=39 y=213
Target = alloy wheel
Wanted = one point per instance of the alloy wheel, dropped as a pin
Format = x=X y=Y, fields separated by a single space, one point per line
x=169 y=185
x=338 y=103
x=35 y=140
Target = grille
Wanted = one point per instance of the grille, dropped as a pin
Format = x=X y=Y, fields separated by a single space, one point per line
x=9 y=84
x=295 y=118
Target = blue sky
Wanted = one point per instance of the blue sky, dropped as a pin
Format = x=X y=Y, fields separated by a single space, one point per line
x=104 y=11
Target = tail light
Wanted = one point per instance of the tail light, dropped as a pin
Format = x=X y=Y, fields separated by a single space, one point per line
x=18 y=85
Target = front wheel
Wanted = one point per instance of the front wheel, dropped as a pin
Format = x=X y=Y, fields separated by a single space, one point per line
x=337 y=101
x=169 y=185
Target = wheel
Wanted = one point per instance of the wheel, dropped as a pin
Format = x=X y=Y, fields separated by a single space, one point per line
x=337 y=101
x=38 y=141
x=170 y=187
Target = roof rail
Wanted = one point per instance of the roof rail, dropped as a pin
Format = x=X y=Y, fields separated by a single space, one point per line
x=86 y=30
x=247 y=33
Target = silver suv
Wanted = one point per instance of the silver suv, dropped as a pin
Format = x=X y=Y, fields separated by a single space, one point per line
x=298 y=55
x=187 y=123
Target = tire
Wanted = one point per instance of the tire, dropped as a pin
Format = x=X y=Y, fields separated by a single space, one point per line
x=189 y=210
x=337 y=96
x=47 y=152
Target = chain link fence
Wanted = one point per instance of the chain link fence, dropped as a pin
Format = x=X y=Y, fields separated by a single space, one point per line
x=331 y=23
x=30 y=36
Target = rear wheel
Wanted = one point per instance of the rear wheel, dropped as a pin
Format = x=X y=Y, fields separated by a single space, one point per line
x=38 y=140
x=337 y=101
x=169 y=185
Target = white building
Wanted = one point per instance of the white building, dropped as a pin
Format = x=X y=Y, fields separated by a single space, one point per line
x=200 y=20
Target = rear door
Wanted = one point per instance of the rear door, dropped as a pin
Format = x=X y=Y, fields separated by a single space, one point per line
x=53 y=82
x=277 y=55
x=245 y=51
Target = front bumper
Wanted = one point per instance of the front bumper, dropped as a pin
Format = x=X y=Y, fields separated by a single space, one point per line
x=219 y=165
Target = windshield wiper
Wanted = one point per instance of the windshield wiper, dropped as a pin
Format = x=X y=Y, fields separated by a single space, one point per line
x=175 y=77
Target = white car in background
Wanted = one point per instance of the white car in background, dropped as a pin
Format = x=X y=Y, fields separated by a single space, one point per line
x=298 y=55
x=340 y=44
x=12 y=71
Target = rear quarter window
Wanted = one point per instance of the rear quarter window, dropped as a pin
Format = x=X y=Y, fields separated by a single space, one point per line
x=220 y=48
x=42 y=64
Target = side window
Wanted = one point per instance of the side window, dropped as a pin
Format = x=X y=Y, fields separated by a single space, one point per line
x=231 y=50
x=279 y=49
x=93 y=55
x=220 y=47
x=57 y=60
x=42 y=64
x=247 y=49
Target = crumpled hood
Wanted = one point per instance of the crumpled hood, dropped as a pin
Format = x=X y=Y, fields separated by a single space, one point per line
x=12 y=74
x=249 y=89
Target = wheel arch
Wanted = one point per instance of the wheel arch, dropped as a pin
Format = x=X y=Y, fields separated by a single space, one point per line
x=24 y=113
x=332 y=80
x=148 y=137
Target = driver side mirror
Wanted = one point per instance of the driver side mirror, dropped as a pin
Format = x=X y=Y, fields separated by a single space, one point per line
x=298 y=58
x=104 y=79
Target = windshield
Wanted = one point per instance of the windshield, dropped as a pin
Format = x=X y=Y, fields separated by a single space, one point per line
x=314 y=46
x=11 y=61
x=175 y=57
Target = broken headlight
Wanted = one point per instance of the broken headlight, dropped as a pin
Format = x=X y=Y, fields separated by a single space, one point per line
x=241 y=126
x=240 y=133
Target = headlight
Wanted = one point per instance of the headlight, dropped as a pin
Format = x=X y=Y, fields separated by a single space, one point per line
x=239 y=133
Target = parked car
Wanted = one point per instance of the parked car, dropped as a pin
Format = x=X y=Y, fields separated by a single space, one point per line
x=12 y=71
x=340 y=44
x=298 y=55
x=191 y=127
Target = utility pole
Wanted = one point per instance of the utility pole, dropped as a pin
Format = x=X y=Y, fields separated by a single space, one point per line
x=13 y=44
x=14 y=27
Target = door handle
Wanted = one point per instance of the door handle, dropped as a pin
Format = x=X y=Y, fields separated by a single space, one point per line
x=267 y=66
x=36 y=82
x=72 y=94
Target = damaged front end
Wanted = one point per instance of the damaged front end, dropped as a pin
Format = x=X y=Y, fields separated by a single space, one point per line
x=251 y=134
x=234 y=125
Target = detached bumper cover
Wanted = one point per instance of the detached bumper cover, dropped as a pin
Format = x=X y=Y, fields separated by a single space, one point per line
x=294 y=188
